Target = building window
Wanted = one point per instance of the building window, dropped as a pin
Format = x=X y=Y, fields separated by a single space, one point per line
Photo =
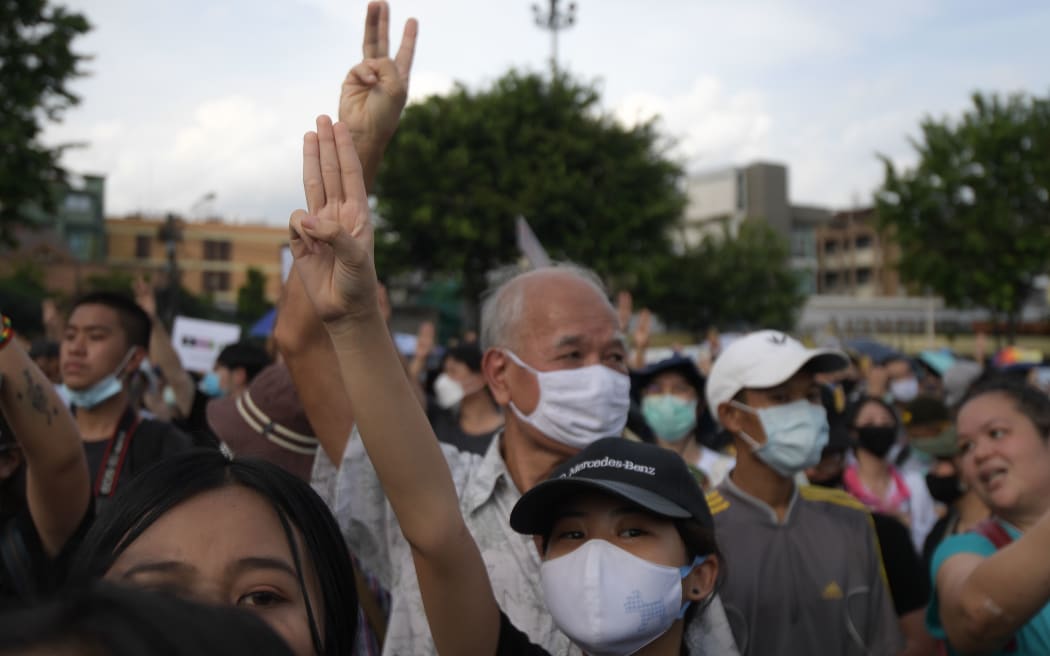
x=77 y=203
x=216 y=250
x=862 y=242
x=863 y=276
x=831 y=247
x=215 y=281
x=831 y=280
x=143 y=246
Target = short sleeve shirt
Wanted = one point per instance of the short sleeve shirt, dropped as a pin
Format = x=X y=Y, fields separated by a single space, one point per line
x=1034 y=637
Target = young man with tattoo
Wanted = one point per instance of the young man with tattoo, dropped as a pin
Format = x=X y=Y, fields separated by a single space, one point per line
x=106 y=337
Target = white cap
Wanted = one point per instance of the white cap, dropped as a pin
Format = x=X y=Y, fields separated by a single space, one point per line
x=764 y=359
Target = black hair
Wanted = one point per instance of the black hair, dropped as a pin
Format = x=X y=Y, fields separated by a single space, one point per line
x=165 y=485
x=244 y=355
x=468 y=353
x=1031 y=402
x=43 y=348
x=112 y=620
x=133 y=319
x=700 y=542
x=849 y=415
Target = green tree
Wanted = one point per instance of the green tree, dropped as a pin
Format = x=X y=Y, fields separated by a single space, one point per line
x=111 y=281
x=37 y=63
x=741 y=281
x=251 y=297
x=463 y=166
x=20 y=295
x=973 y=216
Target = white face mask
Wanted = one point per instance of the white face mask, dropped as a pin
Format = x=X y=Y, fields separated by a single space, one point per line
x=448 y=392
x=609 y=601
x=578 y=406
x=904 y=389
x=796 y=434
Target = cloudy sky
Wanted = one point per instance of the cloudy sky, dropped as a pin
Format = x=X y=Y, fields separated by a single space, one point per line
x=189 y=97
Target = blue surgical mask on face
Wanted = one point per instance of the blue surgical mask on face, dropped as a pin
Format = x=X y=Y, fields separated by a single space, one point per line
x=796 y=434
x=101 y=391
x=210 y=385
x=671 y=417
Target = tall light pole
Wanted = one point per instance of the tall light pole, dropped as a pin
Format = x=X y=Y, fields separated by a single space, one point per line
x=554 y=20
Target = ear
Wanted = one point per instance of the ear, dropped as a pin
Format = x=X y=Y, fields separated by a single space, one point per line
x=495 y=366
x=135 y=360
x=730 y=417
x=9 y=463
x=700 y=583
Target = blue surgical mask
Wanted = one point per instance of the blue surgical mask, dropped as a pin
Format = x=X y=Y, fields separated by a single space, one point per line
x=210 y=385
x=671 y=417
x=796 y=434
x=101 y=391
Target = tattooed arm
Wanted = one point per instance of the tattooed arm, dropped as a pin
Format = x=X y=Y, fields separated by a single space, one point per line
x=58 y=487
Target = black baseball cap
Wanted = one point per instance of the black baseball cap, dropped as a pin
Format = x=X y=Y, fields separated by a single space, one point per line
x=653 y=478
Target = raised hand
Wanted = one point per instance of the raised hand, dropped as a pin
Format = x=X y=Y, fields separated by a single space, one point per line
x=375 y=91
x=144 y=296
x=332 y=240
x=624 y=309
x=642 y=329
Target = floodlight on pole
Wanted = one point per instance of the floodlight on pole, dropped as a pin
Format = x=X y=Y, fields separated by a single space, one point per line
x=554 y=20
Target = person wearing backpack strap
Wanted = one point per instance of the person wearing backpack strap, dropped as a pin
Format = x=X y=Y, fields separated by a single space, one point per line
x=992 y=585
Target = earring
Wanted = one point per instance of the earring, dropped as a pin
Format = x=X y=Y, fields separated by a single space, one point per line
x=696 y=591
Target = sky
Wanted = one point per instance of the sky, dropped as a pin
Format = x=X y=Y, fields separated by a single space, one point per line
x=192 y=98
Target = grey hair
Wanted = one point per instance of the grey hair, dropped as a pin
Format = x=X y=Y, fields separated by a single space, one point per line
x=502 y=307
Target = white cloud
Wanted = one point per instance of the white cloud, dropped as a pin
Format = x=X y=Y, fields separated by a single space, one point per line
x=711 y=125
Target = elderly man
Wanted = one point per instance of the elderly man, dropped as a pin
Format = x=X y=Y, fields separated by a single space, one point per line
x=554 y=361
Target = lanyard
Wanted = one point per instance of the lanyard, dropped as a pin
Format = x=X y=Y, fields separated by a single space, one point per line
x=116 y=453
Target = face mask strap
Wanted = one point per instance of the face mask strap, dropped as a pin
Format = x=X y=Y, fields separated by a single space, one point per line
x=683 y=572
x=518 y=361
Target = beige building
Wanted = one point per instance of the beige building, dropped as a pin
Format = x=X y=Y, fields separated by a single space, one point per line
x=855 y=259
x=213 y=257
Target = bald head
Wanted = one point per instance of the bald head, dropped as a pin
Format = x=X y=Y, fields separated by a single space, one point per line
x=536 y=301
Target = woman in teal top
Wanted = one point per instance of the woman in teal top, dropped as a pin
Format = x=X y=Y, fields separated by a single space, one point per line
x=992 y=587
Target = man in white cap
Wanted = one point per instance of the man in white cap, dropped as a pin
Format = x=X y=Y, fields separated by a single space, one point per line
x=805 y=572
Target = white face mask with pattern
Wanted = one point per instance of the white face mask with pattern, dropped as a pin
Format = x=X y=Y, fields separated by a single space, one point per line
x=578 y=406
x=611 y=602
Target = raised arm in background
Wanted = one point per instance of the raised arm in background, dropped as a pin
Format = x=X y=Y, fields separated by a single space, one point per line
x=162 y=352
x=58 y=486
x=370 y=102
x=333 y=247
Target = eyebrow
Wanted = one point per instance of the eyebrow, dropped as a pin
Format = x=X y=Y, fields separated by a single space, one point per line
x=575 y=340
x=160 y=566
x=264 y=562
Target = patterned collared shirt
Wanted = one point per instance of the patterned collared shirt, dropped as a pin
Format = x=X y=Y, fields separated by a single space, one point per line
x=487 y=495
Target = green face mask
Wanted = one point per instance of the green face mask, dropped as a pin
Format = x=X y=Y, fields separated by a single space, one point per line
x=670 y=417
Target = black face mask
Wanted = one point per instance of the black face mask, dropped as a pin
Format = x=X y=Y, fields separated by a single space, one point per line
x=945 y=489
x=876 y=440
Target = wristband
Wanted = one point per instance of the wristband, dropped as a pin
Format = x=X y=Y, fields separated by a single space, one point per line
x=6 y=331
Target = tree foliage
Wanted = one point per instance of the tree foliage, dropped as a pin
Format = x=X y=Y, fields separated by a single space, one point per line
x=251 y=297
x=463 y=166
x=973 y=217
x=744 y=281
x=36 y=63
x=21 y=293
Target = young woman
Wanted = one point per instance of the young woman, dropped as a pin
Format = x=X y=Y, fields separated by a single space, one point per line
x=240 y=533
x=992 y=586
x=623 y=529
x=874 y=481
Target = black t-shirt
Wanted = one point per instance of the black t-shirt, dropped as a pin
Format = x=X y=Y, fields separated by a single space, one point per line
x=446 y=427
x=513 y=642
x=26 y=571
x=936 y=536
x=151 y=442
x=196 y=424
x=909 y=586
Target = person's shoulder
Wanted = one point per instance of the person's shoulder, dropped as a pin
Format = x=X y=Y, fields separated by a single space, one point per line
x=172 y=436
x=834 y=500
x=968 y=543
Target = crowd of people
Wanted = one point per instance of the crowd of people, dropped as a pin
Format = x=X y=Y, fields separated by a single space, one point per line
x=538 y=488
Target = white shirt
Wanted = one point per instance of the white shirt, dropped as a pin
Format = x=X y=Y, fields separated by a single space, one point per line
x=487 y=494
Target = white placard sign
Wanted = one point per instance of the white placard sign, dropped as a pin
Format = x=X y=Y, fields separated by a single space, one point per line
x=198 y=342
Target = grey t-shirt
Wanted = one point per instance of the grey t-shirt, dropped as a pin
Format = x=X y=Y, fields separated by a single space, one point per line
x=813 y=584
